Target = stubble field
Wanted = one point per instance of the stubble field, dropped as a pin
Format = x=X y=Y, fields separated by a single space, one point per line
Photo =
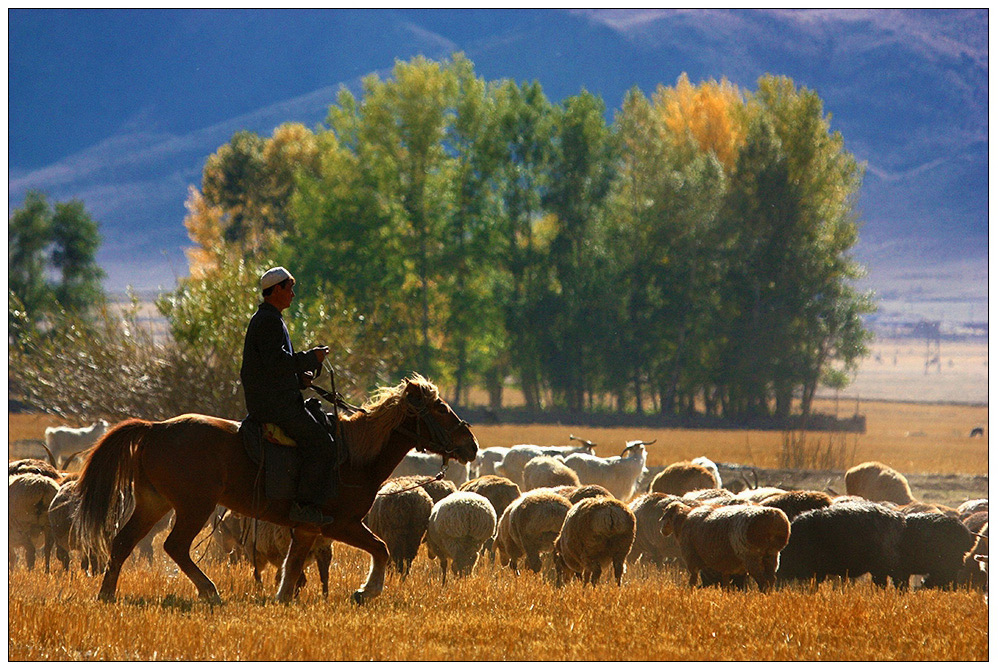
x=494 y=615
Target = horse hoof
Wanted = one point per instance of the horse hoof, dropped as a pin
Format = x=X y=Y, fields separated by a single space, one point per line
x=359 y=598
x=105 y=597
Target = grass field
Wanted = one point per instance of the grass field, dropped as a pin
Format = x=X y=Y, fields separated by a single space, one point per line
x=496 y=616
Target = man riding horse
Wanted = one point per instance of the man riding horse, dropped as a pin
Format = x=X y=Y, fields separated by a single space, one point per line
x=272 y=373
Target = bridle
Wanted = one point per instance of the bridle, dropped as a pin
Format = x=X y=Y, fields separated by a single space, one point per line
x=438 y=437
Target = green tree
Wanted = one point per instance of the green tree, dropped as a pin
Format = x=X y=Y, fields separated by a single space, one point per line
x=51 y=257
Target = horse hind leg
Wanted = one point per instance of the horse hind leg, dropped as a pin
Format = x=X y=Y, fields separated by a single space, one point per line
x=190 y=519
x=149 y=509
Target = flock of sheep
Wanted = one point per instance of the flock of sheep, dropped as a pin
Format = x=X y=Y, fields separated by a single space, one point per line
x=583 y=515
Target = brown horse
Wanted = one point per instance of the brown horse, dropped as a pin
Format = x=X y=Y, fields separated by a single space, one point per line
x=191 y=463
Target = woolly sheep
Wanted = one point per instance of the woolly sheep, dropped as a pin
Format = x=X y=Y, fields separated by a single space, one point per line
x=587 y=491
x=62 y=508
x=64 y=442
x=711 y=467
x=597 y=533
x=715 y=496
x=399 y=516
x=971 y=506
x=934 y=545
x=458 y=527
x=759 y=494
x=548 y=471
x=529 y=527
x=876 y=481
x=650 y=546
x=35 y=466
x=518 y=455
x=418 y=463
x=499 y=491
x=729 y=539
x=437 y=488
x=28 y=498
x=847 y=539
x=487 y=460
x=617 y=474
x=793 y=503
x=682 y=477
x=266 y=543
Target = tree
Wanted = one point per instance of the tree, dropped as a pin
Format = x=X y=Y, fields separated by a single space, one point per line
x=51 y=254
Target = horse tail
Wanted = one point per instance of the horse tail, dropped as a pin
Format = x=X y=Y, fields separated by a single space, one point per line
x=106 y=479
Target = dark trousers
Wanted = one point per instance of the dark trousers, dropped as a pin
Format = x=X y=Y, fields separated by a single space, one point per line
x=317 y=477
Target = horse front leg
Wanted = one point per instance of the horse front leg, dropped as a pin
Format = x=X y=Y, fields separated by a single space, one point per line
x=294 y=563
x=360 y=536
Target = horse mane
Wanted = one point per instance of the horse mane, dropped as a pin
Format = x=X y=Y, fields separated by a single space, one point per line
x=383 y=412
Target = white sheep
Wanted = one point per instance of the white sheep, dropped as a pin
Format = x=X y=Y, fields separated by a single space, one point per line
x=399 y=516
x=418 y=463
x=487 y=460
x=28 y=498
x=711 y=467
x=597 y=533
x=618 y=474
x=650 y=546
x=529 y=527
x=548 y=471
x=458 y=527
x=518 y=455
x=64 y=442
x=500 y=492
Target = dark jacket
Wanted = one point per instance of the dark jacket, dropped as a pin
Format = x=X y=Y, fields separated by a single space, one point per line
x=271 y=368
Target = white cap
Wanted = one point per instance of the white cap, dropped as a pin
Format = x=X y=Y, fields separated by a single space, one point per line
x=274 y=276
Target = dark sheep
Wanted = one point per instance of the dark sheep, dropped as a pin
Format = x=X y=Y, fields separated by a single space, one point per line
x=400 y=515
x=588 y=491
x=794 y=503
x=933 y=544
x=847 y=539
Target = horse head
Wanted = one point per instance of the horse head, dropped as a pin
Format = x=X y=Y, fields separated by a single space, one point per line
x=437 y=427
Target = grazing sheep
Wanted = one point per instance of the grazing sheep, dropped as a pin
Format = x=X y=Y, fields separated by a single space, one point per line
x=793 y=503
x=34 y=466
x=529 y=527
x=934 y=545
x=518 y=455
x=416 y=463
x=759 y=494
x=587 y=491
x=28 y=498
x=918 y=507
x=650 y=546
x=711 y=467
x=399 y=516
x=713 y=496
x=61 y=511
x=972 y=506
x=597 y=533
x=458 y=527
x=682 y=477
x=64 y=442
x=546 y=472
x=266 y=543
x=847 y=539
x=729 y=539
x=617 y=474
x=975 y=522
x=500 y=492
x=487 y=460
x=878 y=482
x=437 y=488
x=976 y=565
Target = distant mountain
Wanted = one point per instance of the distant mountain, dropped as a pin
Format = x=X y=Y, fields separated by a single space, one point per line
x=121 y=108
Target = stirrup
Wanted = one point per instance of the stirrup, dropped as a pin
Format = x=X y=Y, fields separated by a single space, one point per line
x=306 y=513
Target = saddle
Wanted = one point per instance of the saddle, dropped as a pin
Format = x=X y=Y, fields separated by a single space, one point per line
x=269 y=447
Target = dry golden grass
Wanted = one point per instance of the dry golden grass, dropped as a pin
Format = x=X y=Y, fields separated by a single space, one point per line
x=495 y=616
x=490 y=616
